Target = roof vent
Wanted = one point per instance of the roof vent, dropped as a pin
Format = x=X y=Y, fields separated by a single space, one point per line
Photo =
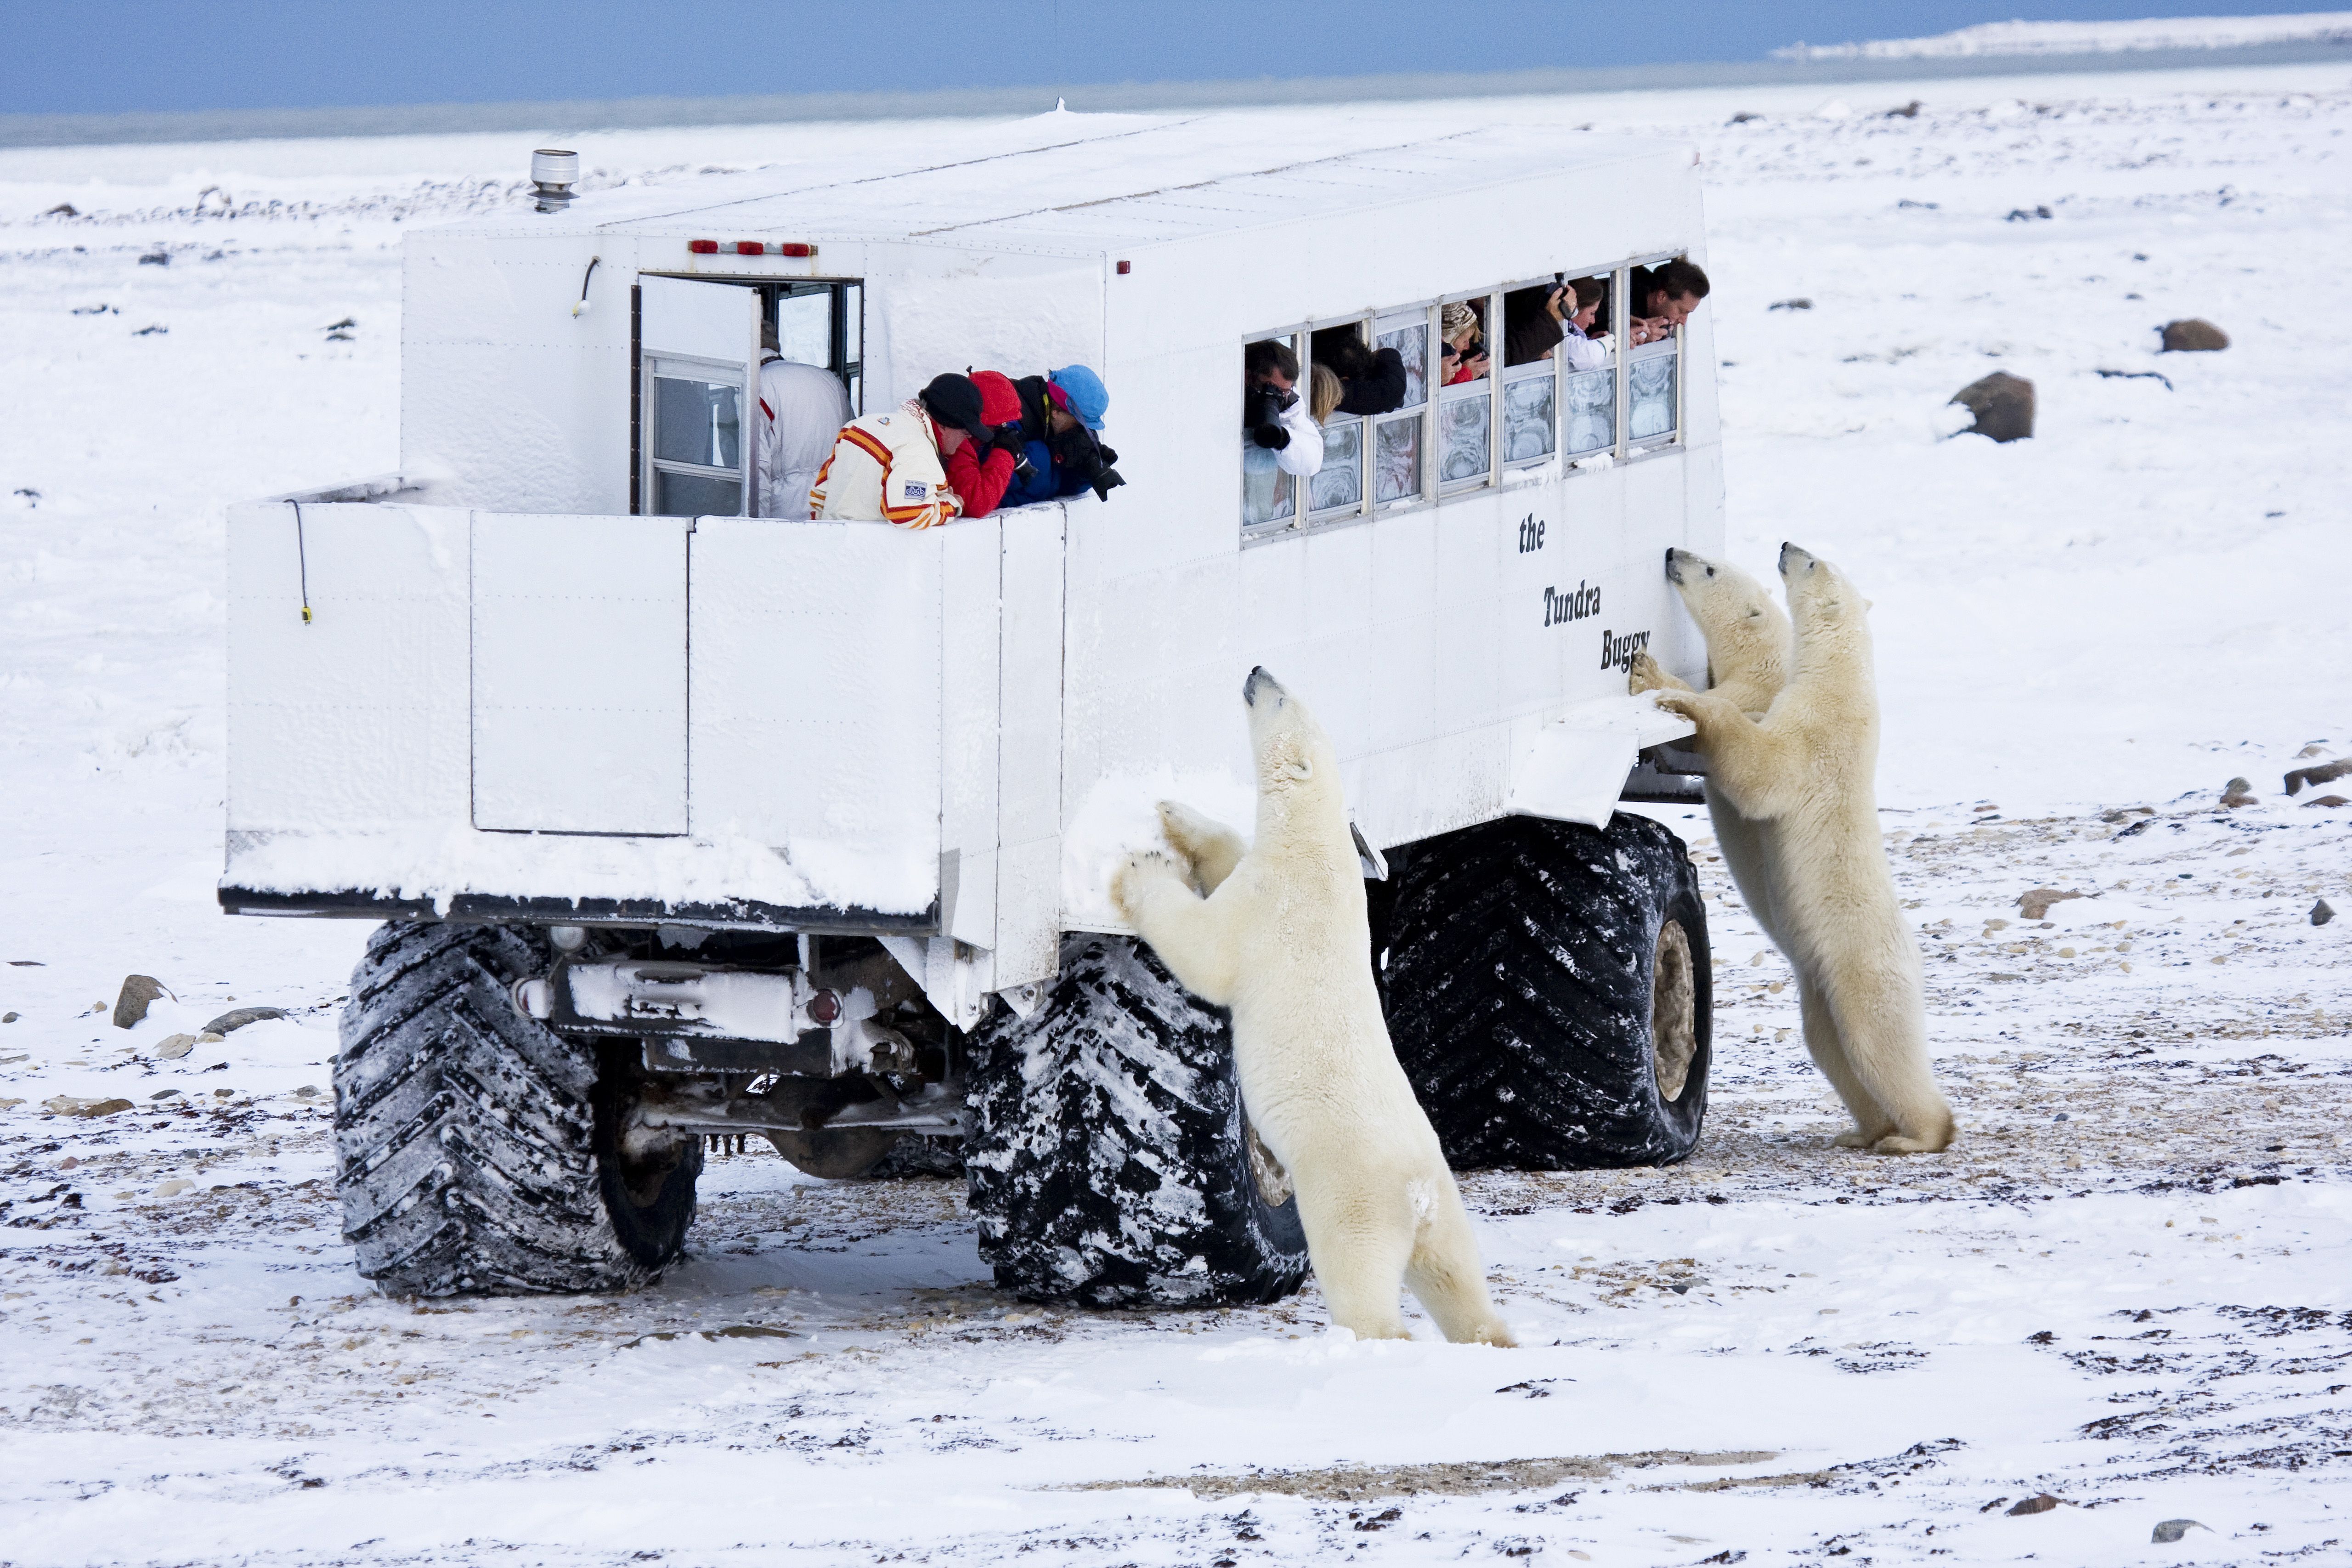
x=554 y=171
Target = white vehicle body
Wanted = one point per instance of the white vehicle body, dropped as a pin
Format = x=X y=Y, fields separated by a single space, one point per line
x=493 y=687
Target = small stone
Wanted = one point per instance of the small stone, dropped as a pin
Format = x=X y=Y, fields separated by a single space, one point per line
x=2314 y=750
x=2237 y=792
x=2329 y=800
x=307 y=1091
x=71 y=1105
x=165 y=1094
x=2035 y=902
x=139 y=994
x=2002 y=403
x=9 y=1017
x=2041 y=1502
x=172 y=1048
x=2317 y=773
x=1797 y=304
x=2172 y=1529
x=172 y=1188
x=1908 y=111
x=2193 y=335
x=239 y=1017
x=2322 y=912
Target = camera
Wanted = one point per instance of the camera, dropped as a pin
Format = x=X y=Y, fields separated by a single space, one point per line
x=1075 y=451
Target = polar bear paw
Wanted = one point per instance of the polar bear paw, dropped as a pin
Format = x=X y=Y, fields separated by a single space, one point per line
x=1897 y=1144
x=1128 y=883
x=1647 y=676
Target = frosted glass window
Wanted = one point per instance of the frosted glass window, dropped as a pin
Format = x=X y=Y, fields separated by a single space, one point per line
x=698 y=421
x=1650 y=393
x=1268 y=495
x=1592 y=405
x=696 y=495
x=1412 y=344
x=1341 y=480
x=805 y=329
x=1462 y=430
x=1396 y=460
x=1527 y=417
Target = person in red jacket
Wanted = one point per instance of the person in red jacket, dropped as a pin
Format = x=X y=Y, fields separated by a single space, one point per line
x=979 y=470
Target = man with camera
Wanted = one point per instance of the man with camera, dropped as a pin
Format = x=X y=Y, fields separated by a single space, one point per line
x=1277 y=421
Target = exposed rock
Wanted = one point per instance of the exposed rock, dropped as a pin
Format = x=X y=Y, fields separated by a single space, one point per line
x=239 y=1017
x=172 y=1048
x=2322 y=912
x=2036 y=903
x=139 y=994
x=2237 y=792
x=2172 y=1529
x=2313 y=750
x=174 y=1188
x=2317 y=773
x=1798 y=304
x=2002 y=403
x=1744 y=116
x=2327 y=800
x=71 y=1105
x=9 y=1017
x=2041 y=1502
x=2193 y=335
x=1908 y=111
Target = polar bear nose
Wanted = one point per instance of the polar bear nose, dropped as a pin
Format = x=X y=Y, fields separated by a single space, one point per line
x=1249 y=686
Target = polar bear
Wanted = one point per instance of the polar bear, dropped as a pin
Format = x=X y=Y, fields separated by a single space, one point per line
x=1746 y=663
x=1805 y=773
x=1278 y=934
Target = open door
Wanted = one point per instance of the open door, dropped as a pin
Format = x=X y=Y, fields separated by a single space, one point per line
x=699 y=346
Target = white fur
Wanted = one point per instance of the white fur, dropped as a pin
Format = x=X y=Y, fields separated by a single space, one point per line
x=1748 y=654
x=1278 y=934
x=1805 y=775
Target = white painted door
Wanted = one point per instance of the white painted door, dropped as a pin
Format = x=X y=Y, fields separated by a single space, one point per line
x=699 y=346
x=579 y=673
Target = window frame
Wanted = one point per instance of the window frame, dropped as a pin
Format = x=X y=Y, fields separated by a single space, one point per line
x=1432 y=492
x=653 y=366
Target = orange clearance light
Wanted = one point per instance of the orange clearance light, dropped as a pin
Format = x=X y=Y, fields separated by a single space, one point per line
x=750 y=248
x=703 y=246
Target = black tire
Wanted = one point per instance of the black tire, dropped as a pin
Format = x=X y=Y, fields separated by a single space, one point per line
x=1538 y=997
x=1108 y=1159
x=477 y=1151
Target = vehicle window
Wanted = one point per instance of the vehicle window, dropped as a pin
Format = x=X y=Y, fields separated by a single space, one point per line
x=1275 y=430
x=1529 y=404
x=1397 y=438
x=696 y=426
x=1651 y=408
x=1463 y=417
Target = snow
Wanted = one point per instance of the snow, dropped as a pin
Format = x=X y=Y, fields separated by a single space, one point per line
x=2094 y=38
x=2122 y=612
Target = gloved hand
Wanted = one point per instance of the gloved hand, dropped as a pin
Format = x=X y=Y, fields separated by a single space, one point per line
x=1109 y=456
x=1271 y=436
x=1007 y=437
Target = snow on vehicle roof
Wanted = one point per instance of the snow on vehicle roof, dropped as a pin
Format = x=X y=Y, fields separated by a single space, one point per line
x=1085 y=185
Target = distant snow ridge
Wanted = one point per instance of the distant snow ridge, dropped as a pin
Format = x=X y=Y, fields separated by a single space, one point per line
x=2095 y=37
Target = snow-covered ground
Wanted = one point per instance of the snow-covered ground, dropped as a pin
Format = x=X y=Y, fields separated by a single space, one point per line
x=2094 y=38
x=2128 y=1286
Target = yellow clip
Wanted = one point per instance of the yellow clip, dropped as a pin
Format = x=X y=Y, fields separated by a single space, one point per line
x=305 y=614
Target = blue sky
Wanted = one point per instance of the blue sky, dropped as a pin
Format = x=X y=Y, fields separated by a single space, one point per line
x=126 y=55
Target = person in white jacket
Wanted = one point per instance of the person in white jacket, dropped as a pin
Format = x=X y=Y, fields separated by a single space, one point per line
x=801 y=410
x=1580 y=347
x=1281 y=442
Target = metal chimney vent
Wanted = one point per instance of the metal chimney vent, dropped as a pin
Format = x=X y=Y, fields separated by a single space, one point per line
x=555 y=171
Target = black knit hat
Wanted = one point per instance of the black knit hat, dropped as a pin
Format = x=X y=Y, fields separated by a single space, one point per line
x=954 y=401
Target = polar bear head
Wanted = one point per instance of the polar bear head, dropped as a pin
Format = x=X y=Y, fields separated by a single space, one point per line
x=1831 y=617
x=1298 y=785
x=1747 y=634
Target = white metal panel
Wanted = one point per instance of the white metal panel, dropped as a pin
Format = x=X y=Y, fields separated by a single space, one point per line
x=689 y=316
x=356 y=719
x=816 y=699
x=1029 y=758
x=579 y=674
x=970 y=604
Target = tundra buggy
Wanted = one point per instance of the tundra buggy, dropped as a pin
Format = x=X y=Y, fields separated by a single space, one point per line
x=685 y=822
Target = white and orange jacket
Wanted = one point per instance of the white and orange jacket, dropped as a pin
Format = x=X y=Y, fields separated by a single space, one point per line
x=886 y=467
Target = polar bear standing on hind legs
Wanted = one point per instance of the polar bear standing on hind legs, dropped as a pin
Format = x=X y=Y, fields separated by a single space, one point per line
x=1279 y=935
x=1748 y=657
x=1804 y=774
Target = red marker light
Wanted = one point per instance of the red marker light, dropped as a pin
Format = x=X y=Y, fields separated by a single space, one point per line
x=703 y=246
x=796 y=250
x=1124 y=268
x=823 y=1007
x=750 y=248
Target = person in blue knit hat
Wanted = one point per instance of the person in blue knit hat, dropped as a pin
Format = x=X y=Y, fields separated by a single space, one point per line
x=1061 y=414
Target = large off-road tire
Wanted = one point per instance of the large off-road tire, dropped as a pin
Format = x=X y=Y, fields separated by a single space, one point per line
x=476 y=1149
x=1548 y=993
x=1109 y=1158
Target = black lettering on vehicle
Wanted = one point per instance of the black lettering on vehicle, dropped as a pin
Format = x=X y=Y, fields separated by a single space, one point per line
x=1619 y=651
x=1560 y=608
x=1532 y=533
